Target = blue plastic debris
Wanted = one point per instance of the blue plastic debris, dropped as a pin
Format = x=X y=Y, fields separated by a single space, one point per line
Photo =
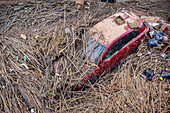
x=165 y=74
x=0 y=26
x=156 y=34
x=153 y=42
x=50 y=21
x=163 y=55
x=157 y=37
x=148 y=74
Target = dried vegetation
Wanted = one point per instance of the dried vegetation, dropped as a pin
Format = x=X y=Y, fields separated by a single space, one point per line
x=27 y=79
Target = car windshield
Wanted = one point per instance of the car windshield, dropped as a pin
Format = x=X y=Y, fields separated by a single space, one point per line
x=93 y=51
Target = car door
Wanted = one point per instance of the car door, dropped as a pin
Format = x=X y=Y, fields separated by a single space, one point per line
x=117 y=51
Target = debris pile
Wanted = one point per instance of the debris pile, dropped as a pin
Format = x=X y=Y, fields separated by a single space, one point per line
x=33 y=35
x=159 y=34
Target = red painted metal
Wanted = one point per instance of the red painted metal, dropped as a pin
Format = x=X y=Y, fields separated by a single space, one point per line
x=124 y=52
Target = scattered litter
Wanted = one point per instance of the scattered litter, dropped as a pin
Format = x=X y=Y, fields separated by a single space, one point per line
x=51 y=21
x=164 y=74
x=23 y=36
x=156 y=60
x=67 y=30
x=25 y=8
x=156 y=36
x=0 y=26
x=32 y=110
x=153 y=42
x=18 y=8
x=17 y=57
x=151 y=33
x=36 y=36
x=3 y=87
x=10 y=70
x=21 y=4
x=35 y=30
x=149 y=52
x=141 y=99
x=43 y=19
x=25 y=58
x=164 y=55
x=79 y=4
x=165 y=38
x=51 y=94
x=148 y=74
x=115 y=86
x=25 y=65
x=154 y=24
x=160 y=78
x=156 y=100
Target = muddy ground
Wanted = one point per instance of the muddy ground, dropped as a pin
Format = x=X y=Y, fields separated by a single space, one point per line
x=27 y=79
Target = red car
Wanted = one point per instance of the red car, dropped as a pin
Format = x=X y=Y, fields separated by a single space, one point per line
x=114 y=38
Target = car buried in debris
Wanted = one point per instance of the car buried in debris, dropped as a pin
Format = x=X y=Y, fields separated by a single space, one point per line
x=113 y=39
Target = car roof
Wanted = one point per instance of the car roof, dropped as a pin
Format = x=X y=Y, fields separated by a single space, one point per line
x=108 y=30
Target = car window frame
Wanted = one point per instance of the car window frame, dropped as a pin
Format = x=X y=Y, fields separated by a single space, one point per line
x=117 y=39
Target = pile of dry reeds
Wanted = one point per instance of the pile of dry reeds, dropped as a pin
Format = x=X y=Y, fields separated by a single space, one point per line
x=27 y=78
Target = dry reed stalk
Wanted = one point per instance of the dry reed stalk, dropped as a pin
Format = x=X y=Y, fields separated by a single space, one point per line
x=45 y=40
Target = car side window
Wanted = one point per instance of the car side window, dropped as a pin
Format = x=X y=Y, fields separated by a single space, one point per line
x=127 y=38
x=120 y=44
x=112 y=50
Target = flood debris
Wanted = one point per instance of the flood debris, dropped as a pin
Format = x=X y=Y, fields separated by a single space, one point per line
x=23 y=36
x=40 y=89
x=79 y=4
x=164 y=74
x=159 y=34
x=149 y=75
